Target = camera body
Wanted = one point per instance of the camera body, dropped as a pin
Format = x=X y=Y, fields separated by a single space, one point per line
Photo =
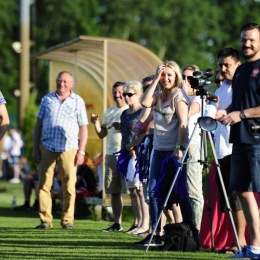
x=200 y=82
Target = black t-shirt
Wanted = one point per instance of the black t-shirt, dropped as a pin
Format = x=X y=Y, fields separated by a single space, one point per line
x=246 y=94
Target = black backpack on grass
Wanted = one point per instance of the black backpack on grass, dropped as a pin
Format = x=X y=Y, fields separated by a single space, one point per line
x=181 y=237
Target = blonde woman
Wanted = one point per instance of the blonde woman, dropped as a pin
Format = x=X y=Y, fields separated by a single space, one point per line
x=171 y=105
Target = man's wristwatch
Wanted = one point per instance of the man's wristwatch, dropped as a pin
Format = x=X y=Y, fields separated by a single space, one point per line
x=242 y=115
x=180 y=147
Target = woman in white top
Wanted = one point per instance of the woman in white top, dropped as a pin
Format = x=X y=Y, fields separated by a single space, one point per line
x=194 y=168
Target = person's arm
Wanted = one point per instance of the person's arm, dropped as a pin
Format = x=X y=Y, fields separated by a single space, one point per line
x=83 y=137
x=135 y=142
x=4 y=120
x=182 y=114
x=148 y=99
x=36 y=141
x=194 y=108
x=234 y=117
x=101 y=130
x=221 y=113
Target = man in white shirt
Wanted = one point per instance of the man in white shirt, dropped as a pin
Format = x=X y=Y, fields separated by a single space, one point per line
x=110 y=127
x=228 y=61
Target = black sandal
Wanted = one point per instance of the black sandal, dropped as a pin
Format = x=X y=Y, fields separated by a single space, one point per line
x=230 y=251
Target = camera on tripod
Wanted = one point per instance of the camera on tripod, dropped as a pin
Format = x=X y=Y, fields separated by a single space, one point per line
x=199 y=82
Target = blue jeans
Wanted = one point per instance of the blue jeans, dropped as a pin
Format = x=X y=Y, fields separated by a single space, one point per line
x=157 y=158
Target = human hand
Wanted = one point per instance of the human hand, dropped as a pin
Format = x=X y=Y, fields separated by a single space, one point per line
x=159 y=71
x=94 y=118
x=79 y=159
x=132 y=153
x=186 y=85
x=220 y=114
x=231 y=118
x=37 y=155
x=116 y=125
x=177 y=153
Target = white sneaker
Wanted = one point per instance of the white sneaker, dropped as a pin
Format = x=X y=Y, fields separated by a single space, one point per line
x=15 y=180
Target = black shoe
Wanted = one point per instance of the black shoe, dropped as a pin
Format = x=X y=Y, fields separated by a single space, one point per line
x=43 y=225
x=22 y=208
x=68 y=226
x=156 y=241
x=134 y=226
x=114 y=228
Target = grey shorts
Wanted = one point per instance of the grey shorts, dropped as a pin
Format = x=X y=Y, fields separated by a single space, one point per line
x=113 y=182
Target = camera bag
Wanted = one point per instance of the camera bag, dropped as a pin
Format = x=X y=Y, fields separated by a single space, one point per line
x=179 y=237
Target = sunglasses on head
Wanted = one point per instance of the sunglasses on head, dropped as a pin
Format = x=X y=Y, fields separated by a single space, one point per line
x=217 y=81
x=188 y=77
x=146 y=79
x=128 y=94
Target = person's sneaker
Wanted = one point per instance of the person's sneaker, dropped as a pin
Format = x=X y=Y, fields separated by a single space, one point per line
x=132 y=228
x=68 y=226
x=156 y=241
x=246 y=253
x=43 y=225
x=15 y=181
x=115 y=227
x=22 y=208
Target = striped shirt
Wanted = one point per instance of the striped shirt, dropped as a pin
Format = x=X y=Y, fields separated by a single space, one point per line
x=61 y=121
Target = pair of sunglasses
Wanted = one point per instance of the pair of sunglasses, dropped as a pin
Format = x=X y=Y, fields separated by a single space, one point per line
x=217 y=81
x=128 y=94
x=146 y=79
x=189 y=78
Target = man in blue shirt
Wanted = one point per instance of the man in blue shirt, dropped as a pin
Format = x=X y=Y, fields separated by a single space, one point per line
x=60 y=136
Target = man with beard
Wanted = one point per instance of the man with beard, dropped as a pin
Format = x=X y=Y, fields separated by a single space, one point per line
x=241 y=115
x=110 y=127
x=228 y=61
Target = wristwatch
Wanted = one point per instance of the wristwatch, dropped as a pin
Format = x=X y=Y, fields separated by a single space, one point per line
x=180 y=147
x=242 y=115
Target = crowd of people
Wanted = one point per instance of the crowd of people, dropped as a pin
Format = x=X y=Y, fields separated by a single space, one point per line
x=154 y=122
x=169 y=108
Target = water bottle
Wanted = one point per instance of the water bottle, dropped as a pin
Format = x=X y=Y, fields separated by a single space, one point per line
x=13 y=205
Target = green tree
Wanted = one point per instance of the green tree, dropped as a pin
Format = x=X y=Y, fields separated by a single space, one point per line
x=9 y=65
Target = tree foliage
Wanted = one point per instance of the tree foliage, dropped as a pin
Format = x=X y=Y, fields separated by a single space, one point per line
x=187 y=31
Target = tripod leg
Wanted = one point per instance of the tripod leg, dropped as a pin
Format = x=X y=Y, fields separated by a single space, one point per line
x=224 y=190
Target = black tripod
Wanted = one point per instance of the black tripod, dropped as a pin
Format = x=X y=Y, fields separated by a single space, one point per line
x=203 y=160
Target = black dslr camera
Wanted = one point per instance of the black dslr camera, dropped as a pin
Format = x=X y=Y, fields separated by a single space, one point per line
x=200 y=82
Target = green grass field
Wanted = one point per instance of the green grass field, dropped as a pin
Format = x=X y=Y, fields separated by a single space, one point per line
x=20 y=240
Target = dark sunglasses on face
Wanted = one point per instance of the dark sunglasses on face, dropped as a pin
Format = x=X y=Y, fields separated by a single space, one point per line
x=188 y=77
x=128 y=94
x=217 y=81
x=146 y=79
